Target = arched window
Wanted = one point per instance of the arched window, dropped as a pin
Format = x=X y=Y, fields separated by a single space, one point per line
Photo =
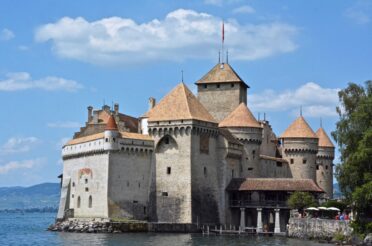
x=78 y=202
x=90 y=201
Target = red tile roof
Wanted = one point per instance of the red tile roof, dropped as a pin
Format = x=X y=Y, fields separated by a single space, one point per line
x=273 y=184
x=324 y=140
x=111 y=124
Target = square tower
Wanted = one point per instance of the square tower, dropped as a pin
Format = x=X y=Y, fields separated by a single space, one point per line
x=221 y=91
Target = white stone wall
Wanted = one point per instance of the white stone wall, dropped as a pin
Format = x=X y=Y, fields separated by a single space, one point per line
x=84 y=185
x=83 y=147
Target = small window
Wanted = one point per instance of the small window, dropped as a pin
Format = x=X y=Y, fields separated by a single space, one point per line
x=73 y=184
x=326 y=167
x=106 y=140
x=292 y=161
x=144 y=210
x=86 y=181
x=78 y=202
x=86 y=189
x=164 y=193
x=254 y=154
x=317 y=167
x=279 y=164
x=205 y=172
x=90 y=201
x=166 y=140
x=232 y=85
x=205 y=86
x=218 y=86
x=134 y=201
x=169 y=170
x=127 y=183
x=304 y=161
x=72 y=196
x=113 y=140
x=139 y=185
x=250 y=168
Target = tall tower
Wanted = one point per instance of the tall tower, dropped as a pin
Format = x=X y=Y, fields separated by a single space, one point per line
x=324 y=164
x=242 y=124
x=111 y=134
x=299 y=148
x=221 y=91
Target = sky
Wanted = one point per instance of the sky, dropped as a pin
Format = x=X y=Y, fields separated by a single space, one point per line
x=58 y=57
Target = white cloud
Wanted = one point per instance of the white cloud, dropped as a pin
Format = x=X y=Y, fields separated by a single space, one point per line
x=6 y=34
x=64 y=124
x=23 y=81
x=245 y=9
x=360 y=12
x=182 y=34
x=18 y=145
x=26 y=164
x=315 y=100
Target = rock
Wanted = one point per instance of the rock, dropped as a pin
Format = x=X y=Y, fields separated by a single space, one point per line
x=368 y=239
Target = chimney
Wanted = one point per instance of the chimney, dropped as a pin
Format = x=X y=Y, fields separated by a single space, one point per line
x=152 y=103
x=90 y=111
x=116 y=108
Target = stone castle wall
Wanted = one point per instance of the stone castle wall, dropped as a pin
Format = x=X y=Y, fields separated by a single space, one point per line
x=324 y=172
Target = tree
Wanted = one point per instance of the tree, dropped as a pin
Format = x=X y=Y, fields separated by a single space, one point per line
x=300 y=200
x=353 y=135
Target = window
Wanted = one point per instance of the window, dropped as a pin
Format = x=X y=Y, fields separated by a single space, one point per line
x=303 y=161
x=254 y=154
x=73 y=184
x=250 y=168
x=86 y=181
x=72 y=196
x=218 y=86
x=139 y=185
x=134 y=201
x=279 y=164
x=164 y=193
x=127 y=183
x=86 y=189
x=90 y=201
x=205 y=86
x=106 y=140
x=144 y=210
x=317 y=167
x=113 y=140
x=166 y=140
x=78 y=202
x=205 y=172
x=292 y=161
x=326 y=167
x=169 y=170
x=232 y=85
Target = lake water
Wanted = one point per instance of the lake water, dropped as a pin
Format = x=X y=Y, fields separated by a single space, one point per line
x=29 y=229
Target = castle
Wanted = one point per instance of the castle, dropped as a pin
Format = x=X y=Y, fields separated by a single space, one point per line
x=190 y=159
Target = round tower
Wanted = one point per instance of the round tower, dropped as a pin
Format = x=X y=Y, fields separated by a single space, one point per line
x=324 y=162
x=244 y=126
x=299 y=148
x=111 y=134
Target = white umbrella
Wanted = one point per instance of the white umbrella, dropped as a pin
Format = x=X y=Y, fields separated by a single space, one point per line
x=312 y=208
x=322 y=208
x=333 y=209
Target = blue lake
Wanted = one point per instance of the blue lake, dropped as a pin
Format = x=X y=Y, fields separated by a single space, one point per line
x=30 y=229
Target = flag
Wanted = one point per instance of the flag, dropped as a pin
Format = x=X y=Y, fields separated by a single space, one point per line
x=223 y=32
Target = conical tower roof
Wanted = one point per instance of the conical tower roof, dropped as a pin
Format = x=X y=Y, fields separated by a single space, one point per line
x=221 y=73
x=240 y=117
x=179 y=104
x=324 y=140
x=111 y=124
x=299 y=129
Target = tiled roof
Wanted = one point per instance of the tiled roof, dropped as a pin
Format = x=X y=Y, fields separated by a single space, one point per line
x=272 y=158
x=240 y=117
x=273 y=184
x=324 y=140
x=101 y=135
x=179 y=104
x=111 y=124
x=130 y=122
x=299 y=129
x=221 y=73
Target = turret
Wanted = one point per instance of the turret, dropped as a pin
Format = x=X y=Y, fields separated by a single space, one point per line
x=244 y=126
x=324 y=162
x=299 y=148
x=111 y=134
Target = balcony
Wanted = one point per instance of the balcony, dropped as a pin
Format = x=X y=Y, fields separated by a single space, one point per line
x=257 y=204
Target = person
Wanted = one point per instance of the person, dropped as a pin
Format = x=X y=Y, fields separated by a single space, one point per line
x=342 y=216
x=346 y=217
x=337 y=216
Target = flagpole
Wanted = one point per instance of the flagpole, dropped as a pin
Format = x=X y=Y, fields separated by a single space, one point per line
x=223 y=41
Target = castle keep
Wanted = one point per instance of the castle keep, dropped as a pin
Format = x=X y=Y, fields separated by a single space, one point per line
x=201 y=159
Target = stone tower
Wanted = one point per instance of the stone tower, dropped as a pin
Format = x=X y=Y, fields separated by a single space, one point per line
x=221 y=91
x=111 y=134
x=185 y=138
x=324 y=164
x=299 y=148
x=244 y=126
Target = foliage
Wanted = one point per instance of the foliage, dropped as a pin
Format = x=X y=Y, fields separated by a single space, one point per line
x=354 y=137
x=340 y=237
x=336 y=204
x=300 y=200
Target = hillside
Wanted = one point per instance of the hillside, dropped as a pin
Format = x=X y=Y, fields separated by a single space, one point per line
x=37 y=196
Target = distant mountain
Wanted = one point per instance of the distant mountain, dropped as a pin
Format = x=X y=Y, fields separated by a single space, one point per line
x=37 y=196
x=336 y=191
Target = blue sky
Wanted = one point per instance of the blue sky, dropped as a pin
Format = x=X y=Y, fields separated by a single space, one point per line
x=58 y=57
